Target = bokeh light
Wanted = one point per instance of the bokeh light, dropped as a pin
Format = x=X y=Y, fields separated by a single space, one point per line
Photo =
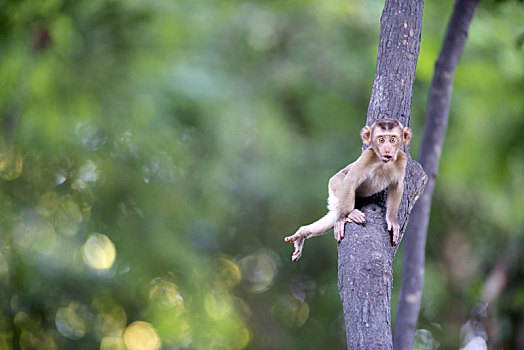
x=48 y=203
x=88 y=174
x=219 y=305
x=290 y=311
x=99 y=252
x=141 y=335
x=113 y=343
x=91 y=137
x=111 y=322
x=227 y=273
x=67 y=216
x=71 y=321
x=165 y=294
x=36 y=232
x=258 y=270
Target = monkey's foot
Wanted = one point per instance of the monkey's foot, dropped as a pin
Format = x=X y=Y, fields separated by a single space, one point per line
x=356 y=216
x=395 y=228
x=338 y=229
x=395 y=238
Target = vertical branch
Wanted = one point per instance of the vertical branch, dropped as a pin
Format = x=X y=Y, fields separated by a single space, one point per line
x=365 y=255
x=399 y=44
x=431 y=148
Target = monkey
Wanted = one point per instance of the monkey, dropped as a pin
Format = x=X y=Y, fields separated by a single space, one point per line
x=380 y=166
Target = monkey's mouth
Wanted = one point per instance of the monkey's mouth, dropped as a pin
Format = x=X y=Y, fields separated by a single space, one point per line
x=386 y=159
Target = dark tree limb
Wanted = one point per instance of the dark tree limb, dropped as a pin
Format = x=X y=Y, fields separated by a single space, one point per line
x=365 y=255
x=431 y=148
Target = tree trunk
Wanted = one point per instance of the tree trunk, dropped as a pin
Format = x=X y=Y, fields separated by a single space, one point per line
x=366 y=253
x=432 y=139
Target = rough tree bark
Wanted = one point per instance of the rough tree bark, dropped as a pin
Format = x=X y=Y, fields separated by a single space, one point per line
x=429 y=157
x=365 y=255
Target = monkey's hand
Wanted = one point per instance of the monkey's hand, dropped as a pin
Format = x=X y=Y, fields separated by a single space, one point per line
x=395 y=227
x=298 y=241
x=356 y=216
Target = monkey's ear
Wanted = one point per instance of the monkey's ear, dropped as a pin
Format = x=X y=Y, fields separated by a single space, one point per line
x=366 y=135
x=407 y=135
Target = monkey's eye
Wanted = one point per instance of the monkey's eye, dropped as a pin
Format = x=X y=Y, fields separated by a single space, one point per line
x=381 y=139
x=392 y=139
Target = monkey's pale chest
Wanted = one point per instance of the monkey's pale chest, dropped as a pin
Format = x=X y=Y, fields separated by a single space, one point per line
x=378 y=181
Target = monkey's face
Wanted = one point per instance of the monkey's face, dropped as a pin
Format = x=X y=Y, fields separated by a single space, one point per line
x=386 y=137
x=387 y=145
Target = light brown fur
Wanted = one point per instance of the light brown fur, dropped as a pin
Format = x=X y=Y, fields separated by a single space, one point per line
x=379 y=167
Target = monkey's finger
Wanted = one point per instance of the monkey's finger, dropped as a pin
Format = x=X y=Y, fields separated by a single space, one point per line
x=291 y=238
x=338 y=229
x=356 y=212
x=341 y=232
x=359 y=217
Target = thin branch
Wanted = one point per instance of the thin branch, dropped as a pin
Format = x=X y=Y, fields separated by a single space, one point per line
x=432 y=140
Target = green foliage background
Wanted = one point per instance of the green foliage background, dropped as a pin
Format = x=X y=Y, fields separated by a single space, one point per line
x=154 y=154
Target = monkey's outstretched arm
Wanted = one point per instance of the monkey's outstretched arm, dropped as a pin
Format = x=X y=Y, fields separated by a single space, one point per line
x=319 y=227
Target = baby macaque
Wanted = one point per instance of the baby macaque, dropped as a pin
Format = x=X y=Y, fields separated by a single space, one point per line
x=380 y=166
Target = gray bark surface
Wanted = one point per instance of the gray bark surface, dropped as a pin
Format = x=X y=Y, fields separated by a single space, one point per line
x=365 y=255
x=430 y=152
